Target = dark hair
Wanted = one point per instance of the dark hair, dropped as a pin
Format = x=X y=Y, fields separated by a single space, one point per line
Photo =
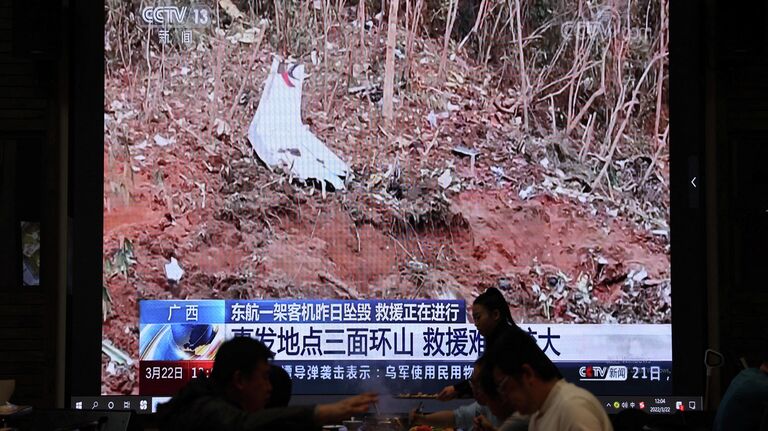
x=281 y=387
x=238 y=354
x=493 y=300
x=486 y=377
x=481 y=361
x=516 y=348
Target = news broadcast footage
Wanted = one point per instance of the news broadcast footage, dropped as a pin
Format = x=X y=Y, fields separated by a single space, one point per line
x=341 y=179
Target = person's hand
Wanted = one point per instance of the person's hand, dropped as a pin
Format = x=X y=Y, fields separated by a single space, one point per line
x=414 y=416
x=448 y=393
x=483 y=424
x=344 y=409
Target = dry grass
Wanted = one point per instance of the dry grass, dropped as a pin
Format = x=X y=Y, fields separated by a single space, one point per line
x=591 y=73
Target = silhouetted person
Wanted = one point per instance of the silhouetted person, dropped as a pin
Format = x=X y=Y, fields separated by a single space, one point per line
x=492 y=318
x=281 y=387
x=530 y=383
x=235 y=396
x=507 y=418
x=464 y=416
x=744 y=406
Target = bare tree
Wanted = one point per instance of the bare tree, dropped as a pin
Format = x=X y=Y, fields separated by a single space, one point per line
x=389 y=69
x=412 y=31
x=523 y=71
x=453 y=6
x=660 y=141
x=361 y=20
x=478 y=21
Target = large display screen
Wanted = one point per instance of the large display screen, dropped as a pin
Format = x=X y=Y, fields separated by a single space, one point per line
x=341 y=180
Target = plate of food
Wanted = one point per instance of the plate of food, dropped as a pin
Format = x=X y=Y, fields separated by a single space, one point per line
x=428 y=428
x=417 y=396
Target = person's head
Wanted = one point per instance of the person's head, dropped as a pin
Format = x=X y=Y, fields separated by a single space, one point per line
x=474 y=382
x=485 y=392
x=489 y=310
x=521 y=372
x=241 y=372
x=281 y=387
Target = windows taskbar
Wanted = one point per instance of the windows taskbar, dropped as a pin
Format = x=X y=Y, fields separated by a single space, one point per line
x=648 y=404
x=652 y=405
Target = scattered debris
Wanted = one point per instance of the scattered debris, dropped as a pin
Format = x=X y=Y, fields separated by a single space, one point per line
x=504 y=283
x=249 y=36
x=364 y=90
x=583 y=290
x=417 y=266
x=173 y=271
x=111 y=368
x=162 y=142
x=222 y=128
x=499 y=172
x=464 y=151
x=115 y=355
x=526 y=193
x=432 y=118
x=445 y=179
x=121 y=260
x=636 y=277
x=231 y=9
x=106 y=303
x=472 y=153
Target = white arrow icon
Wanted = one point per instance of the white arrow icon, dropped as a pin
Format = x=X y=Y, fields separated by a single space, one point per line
x=693 y=182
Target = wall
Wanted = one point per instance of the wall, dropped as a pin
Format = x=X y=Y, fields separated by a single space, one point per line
x=739 y=68
x=32 y=187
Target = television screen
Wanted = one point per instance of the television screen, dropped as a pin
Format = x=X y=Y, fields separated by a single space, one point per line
x=342 y=179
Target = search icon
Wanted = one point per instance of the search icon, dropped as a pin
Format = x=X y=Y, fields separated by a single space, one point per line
x=95 y=405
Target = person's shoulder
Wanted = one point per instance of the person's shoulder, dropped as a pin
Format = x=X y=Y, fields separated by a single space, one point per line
x=580 y=406
x=581 y=402
x=467 y=409
x=464 y=414
x=190 y=393
x=751 y=380
x=570 y=390
x=754 y=373
x=191 y=410
x=515 y=423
